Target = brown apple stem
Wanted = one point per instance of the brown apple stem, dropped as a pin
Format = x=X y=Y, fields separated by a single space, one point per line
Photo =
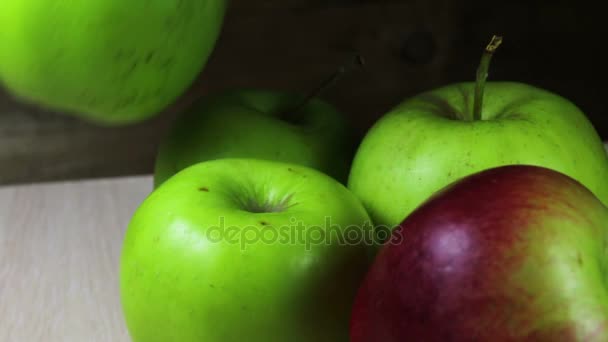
x=482 y=75
x=295 y=114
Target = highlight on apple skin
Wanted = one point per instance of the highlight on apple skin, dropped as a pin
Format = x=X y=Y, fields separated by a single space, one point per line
x=511 y=253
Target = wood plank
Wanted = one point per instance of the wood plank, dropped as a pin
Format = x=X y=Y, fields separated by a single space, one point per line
x=59 y=254
x=409 y=46
x=39 y=146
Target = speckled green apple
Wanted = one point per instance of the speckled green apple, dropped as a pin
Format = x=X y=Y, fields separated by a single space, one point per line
x=255 y=123
x=109 y=61
x=429 y=141
x=193 y=270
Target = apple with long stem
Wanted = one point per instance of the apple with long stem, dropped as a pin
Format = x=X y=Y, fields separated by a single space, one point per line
x=512 y=253
x=440 y=136
x=262 y=124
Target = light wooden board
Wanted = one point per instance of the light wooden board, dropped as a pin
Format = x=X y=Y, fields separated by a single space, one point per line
x=59 y=253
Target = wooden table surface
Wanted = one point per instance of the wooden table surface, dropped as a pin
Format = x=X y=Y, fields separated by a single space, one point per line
x=59 y=252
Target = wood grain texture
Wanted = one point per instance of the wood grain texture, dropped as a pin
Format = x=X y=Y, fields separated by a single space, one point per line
x=59 y=252
x=409 y=46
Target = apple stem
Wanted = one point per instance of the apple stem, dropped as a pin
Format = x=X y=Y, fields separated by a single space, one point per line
x=295 y=114
x=482 y=75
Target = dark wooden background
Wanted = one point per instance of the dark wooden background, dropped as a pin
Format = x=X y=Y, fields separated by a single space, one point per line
x=409 y=46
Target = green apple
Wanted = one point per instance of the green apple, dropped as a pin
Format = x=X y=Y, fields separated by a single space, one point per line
x=258 y=124
x=109 y=61
x=244 y=250
x=435 y=138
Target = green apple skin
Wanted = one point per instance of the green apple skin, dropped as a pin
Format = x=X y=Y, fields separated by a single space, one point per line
x=248 y=123
x=424 y=144
x=108 y=61
x=180 y=282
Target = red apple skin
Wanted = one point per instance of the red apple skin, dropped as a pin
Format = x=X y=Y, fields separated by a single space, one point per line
x=514 y=253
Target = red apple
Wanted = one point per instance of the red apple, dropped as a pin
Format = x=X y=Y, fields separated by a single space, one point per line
x=514 y=253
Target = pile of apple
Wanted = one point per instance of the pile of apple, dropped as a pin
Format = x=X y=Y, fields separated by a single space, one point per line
x=487 y=203
x=472 y=212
